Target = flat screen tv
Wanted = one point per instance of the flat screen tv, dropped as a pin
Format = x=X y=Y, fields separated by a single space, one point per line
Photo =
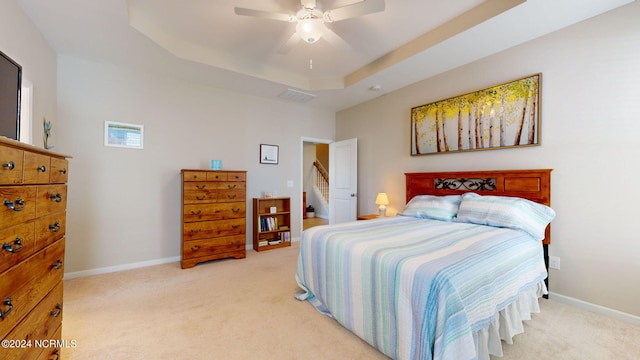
x=10 y=85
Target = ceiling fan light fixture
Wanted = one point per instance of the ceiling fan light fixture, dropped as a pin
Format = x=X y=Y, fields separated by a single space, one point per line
x=310 y=29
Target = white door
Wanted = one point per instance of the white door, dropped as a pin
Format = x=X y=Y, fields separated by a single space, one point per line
x=343 y=181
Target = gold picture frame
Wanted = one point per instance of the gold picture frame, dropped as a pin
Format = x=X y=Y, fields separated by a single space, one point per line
x=501 y=116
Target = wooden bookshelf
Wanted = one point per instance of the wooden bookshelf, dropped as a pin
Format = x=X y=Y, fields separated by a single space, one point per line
x=271 y=223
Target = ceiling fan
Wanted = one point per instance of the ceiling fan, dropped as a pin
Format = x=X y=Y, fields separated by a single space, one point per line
x=311 y=21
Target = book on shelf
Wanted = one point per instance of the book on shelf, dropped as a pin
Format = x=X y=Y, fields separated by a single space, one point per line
x=268 y=223
x=285 y=236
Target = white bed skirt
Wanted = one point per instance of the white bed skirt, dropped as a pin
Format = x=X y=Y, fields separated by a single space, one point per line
x=508 y=323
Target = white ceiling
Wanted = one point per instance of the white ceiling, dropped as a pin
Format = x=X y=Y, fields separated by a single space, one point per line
x=206 y=42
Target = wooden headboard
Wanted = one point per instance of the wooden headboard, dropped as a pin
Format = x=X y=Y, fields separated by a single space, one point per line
x=534 y=185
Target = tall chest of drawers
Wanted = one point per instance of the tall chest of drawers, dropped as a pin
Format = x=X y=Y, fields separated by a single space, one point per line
x=33 y=193
x=213 y=215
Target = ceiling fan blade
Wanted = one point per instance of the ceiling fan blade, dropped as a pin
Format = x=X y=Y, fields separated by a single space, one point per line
x=289 y=44
x=335 y=40
x=363 y=7
x=263 y=14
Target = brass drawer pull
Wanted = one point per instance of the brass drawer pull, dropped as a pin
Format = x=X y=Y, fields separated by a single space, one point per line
x=195 y=248
x=4 y=313
x=10 y=248
x=57 y=265
x=235 y=210
x=63 y=171
x=10 y=165
x=17 y=206
x=55 y=227
x=231 y=196
x=41 y=168
x=196 y=212
x=232 y=186
x=235 y=226
x=56 y=311
x=57 y=197
x=195 y=231
x=200 y=197
x=201 y=187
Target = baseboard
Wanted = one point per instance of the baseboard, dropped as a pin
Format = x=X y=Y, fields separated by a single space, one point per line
x=632 y=319
x=110 y=269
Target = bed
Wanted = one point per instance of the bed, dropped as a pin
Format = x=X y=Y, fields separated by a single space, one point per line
x=452 y=275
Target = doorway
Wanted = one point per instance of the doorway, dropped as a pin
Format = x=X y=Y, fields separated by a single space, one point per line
x=313 y=150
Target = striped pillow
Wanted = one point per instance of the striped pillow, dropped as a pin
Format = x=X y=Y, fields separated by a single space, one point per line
x=504 y=211
x=442 y=208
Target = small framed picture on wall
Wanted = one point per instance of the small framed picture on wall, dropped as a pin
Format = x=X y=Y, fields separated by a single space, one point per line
x=268 y=154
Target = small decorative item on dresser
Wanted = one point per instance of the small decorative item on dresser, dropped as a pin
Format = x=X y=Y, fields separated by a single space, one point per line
x=216 y=164
x=47 y=133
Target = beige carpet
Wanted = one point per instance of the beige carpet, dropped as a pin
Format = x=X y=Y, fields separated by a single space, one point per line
x=244 y=309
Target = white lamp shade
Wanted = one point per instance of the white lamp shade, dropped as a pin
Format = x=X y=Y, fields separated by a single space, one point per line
x=310 y=30
x=382 y=199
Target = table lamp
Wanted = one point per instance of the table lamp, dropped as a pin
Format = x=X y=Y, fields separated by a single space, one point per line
x=382 y=201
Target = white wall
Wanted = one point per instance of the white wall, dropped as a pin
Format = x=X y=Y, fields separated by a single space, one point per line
x=590 y=125
x=124 y=204
x=22 y=42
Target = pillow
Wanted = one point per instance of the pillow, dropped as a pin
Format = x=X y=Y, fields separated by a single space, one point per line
x=504 y=211
x=433 y=207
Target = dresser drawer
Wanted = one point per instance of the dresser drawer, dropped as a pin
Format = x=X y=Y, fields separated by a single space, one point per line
x=199 y=192
x=18 y=243
x=50 y=229
x=11 y=161
x=230 y=195
x=210 y=229
x=214 y=211
x=36 y=168
x=54 y=353
x=192 y=175
x=24 y=285
x=237 y=176
x=59 y=171
x=18 y=204
x=41 y=324
x=50 y=199
x=217 y=175
x=205 y=247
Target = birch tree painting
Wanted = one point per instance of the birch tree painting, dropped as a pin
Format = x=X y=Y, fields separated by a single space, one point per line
x=505 y=115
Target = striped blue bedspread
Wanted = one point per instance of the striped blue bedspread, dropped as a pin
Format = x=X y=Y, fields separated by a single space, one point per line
x=416 y=288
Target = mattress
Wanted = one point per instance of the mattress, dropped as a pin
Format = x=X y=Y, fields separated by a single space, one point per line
x=420 y=288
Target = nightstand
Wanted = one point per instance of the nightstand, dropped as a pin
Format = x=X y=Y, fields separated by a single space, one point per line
x=368 y=217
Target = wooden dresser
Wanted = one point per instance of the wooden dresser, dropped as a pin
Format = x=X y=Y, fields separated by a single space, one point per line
x=213 y=215
x=33 y=193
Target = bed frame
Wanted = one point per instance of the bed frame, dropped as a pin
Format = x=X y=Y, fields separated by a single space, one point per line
x=534 y=185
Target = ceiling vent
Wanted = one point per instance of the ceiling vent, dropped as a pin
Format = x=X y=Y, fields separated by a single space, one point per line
x=295 y=95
